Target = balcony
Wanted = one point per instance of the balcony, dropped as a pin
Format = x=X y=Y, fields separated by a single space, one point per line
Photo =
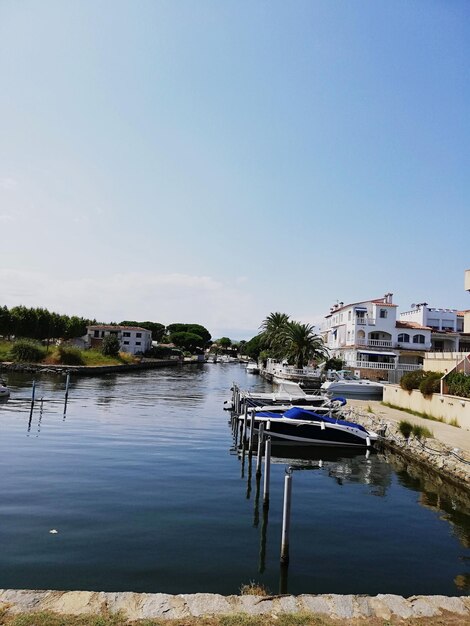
x=375 y=343
x=365 y=321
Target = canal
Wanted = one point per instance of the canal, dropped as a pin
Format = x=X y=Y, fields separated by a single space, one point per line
x=143 y=485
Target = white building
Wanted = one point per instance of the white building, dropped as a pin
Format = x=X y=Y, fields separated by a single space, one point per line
x=447 y=326
x=367 y=335
x=132 y=339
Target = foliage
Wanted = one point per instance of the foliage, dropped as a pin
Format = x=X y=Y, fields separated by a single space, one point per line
x=406 y=428
x=110 y=346
x=412 y=380
x=458 y=384
x=5 y=347
x=224 y=342
x=252 y=348
x=158 y=330
x=27 y=351
x=69 y=356
x=421 y=432
x=301 y=344
x=39 y=323
x=254 y=589
x=334 y=364
x=186 y=340
x=431 y=383
x=196 y=329
x=162 y=352
x=272 y=334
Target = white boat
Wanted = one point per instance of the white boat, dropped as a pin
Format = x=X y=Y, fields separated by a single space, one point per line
x=288 y=393
x=252 y=368
x=344 y=381
x=298 y=426
x=4 y=391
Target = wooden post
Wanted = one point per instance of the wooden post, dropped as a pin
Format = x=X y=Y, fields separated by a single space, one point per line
x=260 y=450
x=33 y=393
x=267 y=472
x=286 y=518
x=245 y=422
x=252 y=431
x=67 y=383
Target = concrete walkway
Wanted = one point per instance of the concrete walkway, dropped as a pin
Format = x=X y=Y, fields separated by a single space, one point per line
x=449 y=435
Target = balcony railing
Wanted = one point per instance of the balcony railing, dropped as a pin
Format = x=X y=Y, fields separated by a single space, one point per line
x=407 y=367
x=365 y=321
x=375 y=343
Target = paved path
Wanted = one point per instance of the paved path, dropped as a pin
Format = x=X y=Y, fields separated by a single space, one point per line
x=450 y=435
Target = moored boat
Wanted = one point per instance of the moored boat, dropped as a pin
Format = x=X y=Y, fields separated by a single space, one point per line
x=344 y=382
x=4 y=391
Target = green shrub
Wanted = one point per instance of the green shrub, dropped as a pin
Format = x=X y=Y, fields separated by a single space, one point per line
x=70 y=356
x=458 y=384
x=431 y=383
x=406 y=428
x=27 y=351
x=421 y=432
x=110 y=346
x=412 y=380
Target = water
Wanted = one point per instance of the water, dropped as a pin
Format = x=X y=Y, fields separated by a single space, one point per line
x=143 y=485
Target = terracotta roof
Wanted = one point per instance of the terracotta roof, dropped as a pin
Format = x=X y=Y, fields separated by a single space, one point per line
x=382 y=303
x=412 y=326
x=115 y=327
x=463 y=312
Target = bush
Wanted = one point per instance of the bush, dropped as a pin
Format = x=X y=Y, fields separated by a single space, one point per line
x=458 y=384
x=110 y=346
x=406 y=428
x=27 y=351
x=431 y=384
x=421 y=432
x=70 y=356
x=412 y=380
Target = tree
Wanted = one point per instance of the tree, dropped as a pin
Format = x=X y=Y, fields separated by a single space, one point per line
x=224 y=342
x=272 y=333
x=197 y=329
x=186 y=341
x=302 y=344
x=110 y=345
x=253 y=347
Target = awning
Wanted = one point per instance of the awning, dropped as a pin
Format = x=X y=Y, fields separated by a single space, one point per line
x=376 y=352
x=360 y=308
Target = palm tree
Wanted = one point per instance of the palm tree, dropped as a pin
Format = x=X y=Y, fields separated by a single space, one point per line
x=302 y=344
x=272 y=333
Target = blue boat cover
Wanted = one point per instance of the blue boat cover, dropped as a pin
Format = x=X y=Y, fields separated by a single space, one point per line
x=298 y=413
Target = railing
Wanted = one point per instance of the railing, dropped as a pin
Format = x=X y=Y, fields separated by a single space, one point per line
x=371 y=365
x=365 y=321
x=375 y=343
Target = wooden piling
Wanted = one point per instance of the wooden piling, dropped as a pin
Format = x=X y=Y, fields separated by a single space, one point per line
x=245 y=422
x=286 y=518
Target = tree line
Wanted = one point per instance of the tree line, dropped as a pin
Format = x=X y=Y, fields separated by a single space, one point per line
x=41 y=324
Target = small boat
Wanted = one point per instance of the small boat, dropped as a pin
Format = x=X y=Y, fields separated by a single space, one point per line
x=288 y=393
x=4 y=391
x=252 y=368
x=299 y=426
x=344 y=381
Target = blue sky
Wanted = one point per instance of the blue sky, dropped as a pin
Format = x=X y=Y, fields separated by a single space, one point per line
x=212 y=161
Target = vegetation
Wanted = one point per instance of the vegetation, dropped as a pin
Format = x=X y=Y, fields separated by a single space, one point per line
x=412 y=380
x=187 y=341
x=426 y=416
x=39 y=323
x=253 y=347
x=46 y=618
x=110 y=346
x=283 y=338
x=458 y=384
x=69 y=356
x=407 y=428
x=196 y=329
x=431 y=383
x=27 y=351
x=334 y=364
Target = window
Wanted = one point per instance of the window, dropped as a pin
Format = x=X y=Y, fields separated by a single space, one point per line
x=383 y=313
x=126 y=334
x=349 y=316
x=403 y=338
x=137 y=343
x=126 y=343
x=96 y=333
x=418 y=339
x=138 y=335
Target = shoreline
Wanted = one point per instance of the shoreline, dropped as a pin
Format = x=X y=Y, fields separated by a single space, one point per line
x=89 y=370
x=165 y=606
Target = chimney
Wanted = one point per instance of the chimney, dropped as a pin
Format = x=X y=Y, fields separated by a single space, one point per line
x=388 y=298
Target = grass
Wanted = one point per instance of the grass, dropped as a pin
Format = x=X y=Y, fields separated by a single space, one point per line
x=88 y=357
x=254 y=589
x=240 y=619
x=369 y=409
x=426 y=416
